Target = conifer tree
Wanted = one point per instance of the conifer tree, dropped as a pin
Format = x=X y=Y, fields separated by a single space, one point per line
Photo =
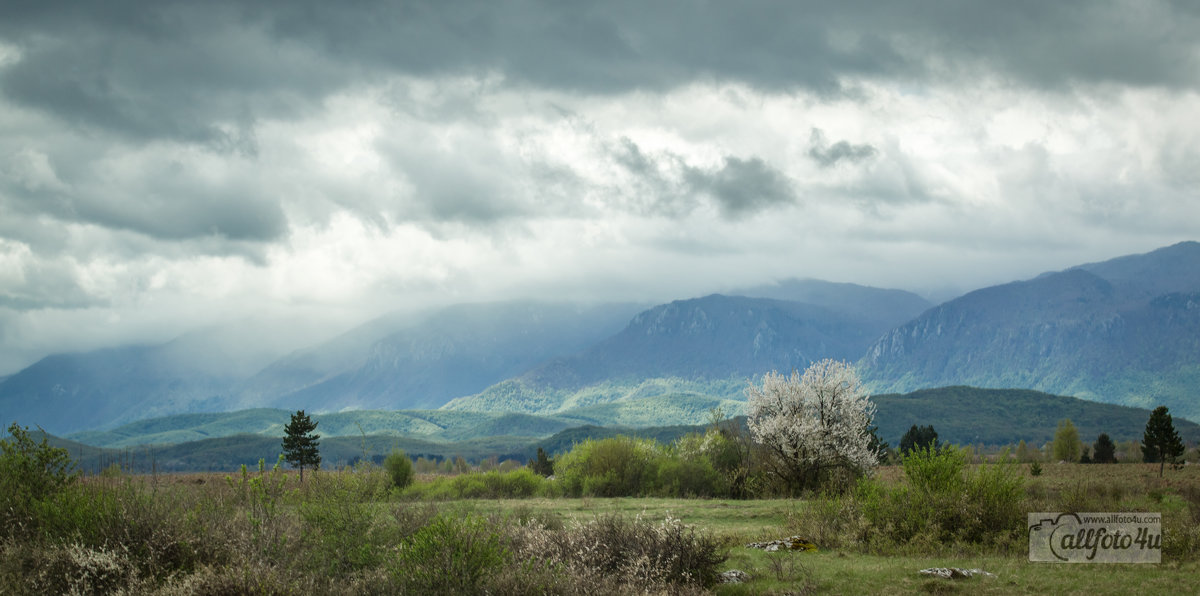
x=1104 y=451
x=919 y=437
x=1160 y=441
x=300 y=445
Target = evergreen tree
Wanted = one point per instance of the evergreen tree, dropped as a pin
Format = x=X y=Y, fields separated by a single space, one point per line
x=1067 y=446
x=919 y=437
x=300 y=444
x=1104 y=451
x=879 y=446
x=542 y=465
x=1160 y=441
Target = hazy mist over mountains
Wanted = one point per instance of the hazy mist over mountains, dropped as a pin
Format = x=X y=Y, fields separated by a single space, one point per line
x=1123 y=331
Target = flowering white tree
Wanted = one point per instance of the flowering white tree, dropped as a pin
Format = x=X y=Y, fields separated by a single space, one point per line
x=815 y=426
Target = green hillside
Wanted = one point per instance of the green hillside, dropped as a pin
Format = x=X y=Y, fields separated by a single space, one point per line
x=969 y=415
x=962 y=415
x=685 y=408
x=523 y=395
x=428 y=425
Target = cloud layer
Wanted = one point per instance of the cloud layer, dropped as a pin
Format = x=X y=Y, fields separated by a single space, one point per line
x=165 y=165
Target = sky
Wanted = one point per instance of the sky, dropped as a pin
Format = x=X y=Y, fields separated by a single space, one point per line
x=168 y=165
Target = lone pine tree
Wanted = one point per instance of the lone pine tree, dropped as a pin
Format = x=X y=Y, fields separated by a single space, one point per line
x=1160 y=441
x=300 y=444
x=1104 y=451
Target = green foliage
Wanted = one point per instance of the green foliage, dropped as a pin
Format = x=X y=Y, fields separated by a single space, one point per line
x=452 y=555
x=934 y=470
x=1160 y=442
x=1001 y=416
x=878 y=446
x=1067 y=446
x=1023 y=452
x=33 y=470
x=30 y=474
x=942 y=502
x=542 y=465
x=1035 y=469
x=918 y=437
x=615 y=467
x=1104 y=451
x=261 y=495
x=300 y=444
x=494 y=484
x=399 y=467
x=339 y=514
x=679 y=477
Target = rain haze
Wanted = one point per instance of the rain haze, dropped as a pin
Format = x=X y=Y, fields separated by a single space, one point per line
x=166 y=166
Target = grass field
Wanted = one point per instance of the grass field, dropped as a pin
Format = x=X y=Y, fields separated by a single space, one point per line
x=344 y=528
x=1126 y=487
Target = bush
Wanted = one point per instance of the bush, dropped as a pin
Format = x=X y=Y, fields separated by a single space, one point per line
x=515 y=484
x=934 y=470
x=643 y=553
x=941 y=503
x=451 y=555
x=30 y=472
x=683 y=478
x=614 y=467
x=399 y=467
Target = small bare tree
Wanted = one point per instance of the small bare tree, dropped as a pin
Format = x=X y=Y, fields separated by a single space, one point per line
x=815 y=426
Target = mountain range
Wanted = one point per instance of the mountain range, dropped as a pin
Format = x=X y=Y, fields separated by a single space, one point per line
x=1124 y=331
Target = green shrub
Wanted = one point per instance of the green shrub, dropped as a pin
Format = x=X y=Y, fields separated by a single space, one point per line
x=342 y=531
x=399 y=467
x=30 y=472
x=934 y=470
x=993 y=502
x=688 y=478
x=614 y=467
x=519 y=483
x=942 y=503
x=451 y=555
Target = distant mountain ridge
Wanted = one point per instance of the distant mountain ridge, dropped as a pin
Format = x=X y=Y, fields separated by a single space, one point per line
x=878 y=308
x=457 y=351
x=714 y=338
x=710 y=338
x=393 y=362
x=1121 y=331
x=1124 y=331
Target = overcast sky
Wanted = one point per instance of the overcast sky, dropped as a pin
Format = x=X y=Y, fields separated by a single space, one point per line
x=167 y=164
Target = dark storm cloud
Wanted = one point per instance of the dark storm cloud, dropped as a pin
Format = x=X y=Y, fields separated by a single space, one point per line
x=166 y=201
x=742 y=186
x=204 y=72
x=190 y=72
x=739 y=187
x=827 y=155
